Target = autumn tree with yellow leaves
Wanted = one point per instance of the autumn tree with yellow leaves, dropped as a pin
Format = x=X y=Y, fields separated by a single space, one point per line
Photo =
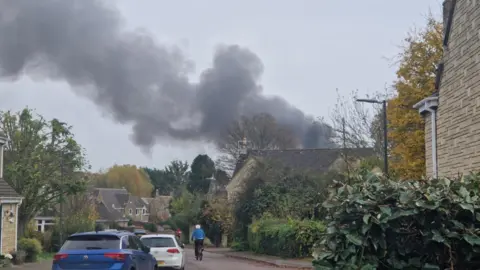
x=415 y=81
x=133 y=179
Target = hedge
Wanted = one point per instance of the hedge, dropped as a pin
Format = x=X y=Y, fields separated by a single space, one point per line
x=381 y=224
x=284 y=238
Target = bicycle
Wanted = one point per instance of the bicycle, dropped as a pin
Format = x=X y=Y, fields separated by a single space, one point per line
x=199 y=252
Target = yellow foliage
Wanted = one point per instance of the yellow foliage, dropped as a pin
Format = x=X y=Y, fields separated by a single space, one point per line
x=219 y=210
x=134 y=179
x=415 y=81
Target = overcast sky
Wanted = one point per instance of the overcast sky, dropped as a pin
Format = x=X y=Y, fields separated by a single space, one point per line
x=309 y=48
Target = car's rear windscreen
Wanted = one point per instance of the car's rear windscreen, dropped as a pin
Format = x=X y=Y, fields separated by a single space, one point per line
x=158 y=242
x=92 y=241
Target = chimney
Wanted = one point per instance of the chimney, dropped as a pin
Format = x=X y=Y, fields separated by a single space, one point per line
x=3 y=141
x=243 y=147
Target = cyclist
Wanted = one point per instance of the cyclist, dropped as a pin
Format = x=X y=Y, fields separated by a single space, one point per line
x=198 y=236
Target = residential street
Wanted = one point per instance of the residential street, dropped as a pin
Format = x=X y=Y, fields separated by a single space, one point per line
x=210 y=261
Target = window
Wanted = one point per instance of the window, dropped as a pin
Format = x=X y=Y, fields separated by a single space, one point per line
x=92 y=241
x=137 y=212
x=139 y=243
x=144 y=211
x=130 y=211
x=158 y=242
x=125 y=243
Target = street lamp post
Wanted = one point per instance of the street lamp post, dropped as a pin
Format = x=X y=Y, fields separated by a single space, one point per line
x=385 y=134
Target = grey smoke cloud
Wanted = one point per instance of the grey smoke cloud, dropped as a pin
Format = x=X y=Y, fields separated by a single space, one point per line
x=141 y=82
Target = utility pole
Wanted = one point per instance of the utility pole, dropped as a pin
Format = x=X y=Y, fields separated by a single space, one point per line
x=61 y=202
x=385 y=137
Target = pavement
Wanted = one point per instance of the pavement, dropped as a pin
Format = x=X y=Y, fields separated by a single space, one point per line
x=218 y=259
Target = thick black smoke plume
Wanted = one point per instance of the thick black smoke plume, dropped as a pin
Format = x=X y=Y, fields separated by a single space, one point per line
x=141 y=82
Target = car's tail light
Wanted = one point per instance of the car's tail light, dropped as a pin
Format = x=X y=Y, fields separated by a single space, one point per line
x=173 y=250
x=116 y=256
x=59 y=256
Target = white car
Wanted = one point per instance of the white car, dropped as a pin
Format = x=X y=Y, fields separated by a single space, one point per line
x=166 y=249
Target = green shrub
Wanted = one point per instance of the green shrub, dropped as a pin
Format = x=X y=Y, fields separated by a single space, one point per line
x=150 y=227
x=379 y=224
x=100 y=227
x=32 y=247
x=285 y=238
x=19 y=257
x=47 y=241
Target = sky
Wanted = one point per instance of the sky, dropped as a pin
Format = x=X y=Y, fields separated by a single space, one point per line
x=309 y=49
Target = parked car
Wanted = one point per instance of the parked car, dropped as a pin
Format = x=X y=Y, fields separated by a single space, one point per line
x=166 y=249
x=104 y=250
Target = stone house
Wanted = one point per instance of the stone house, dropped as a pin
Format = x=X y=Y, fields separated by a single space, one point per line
x=10 y=202
x=158 y=207
x=316 y=161
x=118 y=205
x=115 y=205
x=452 y=113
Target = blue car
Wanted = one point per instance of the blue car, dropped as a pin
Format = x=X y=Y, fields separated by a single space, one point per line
x=106 y=250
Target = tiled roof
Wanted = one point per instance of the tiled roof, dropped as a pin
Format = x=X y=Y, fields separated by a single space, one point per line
x=6 y=190
x=313 y=160
x=110 y=196
x=106 y=213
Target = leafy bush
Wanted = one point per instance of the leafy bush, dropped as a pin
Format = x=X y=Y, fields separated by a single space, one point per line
x=19 y=257
x=6 y=260
x=31 y=231
x=285 y=238
x=150 y=227
x=380 y=224
x=100 y=227
x=47 y=241
x=32 y=247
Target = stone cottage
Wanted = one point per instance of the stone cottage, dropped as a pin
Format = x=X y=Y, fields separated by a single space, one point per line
x=452 y=114
x=10 y=201
x=315 y=161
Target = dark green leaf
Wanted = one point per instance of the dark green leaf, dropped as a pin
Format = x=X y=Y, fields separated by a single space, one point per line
x=428 y=266
x=468 y=207
x=472 y=239
x=355 y=239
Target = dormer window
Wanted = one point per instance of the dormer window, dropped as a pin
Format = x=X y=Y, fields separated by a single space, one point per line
x=144 y=211
x=130 y=212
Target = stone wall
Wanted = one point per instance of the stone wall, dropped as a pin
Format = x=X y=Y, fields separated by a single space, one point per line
x=9 y=229
x=458 y=125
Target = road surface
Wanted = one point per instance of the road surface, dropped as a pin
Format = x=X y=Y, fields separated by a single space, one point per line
x=211 y=261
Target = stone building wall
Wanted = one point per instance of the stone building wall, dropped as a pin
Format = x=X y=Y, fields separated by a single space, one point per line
x=458 y=119
x=9 y=229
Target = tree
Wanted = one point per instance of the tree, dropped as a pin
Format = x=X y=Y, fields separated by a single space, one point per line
x=216 y=218
x=80 y=213
x=354 y=124
x=262 y=132
x=221 y=177
x=133 y=179
x=170 y=179
x=41 y=159
x=201 y=173
x=415 y=81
